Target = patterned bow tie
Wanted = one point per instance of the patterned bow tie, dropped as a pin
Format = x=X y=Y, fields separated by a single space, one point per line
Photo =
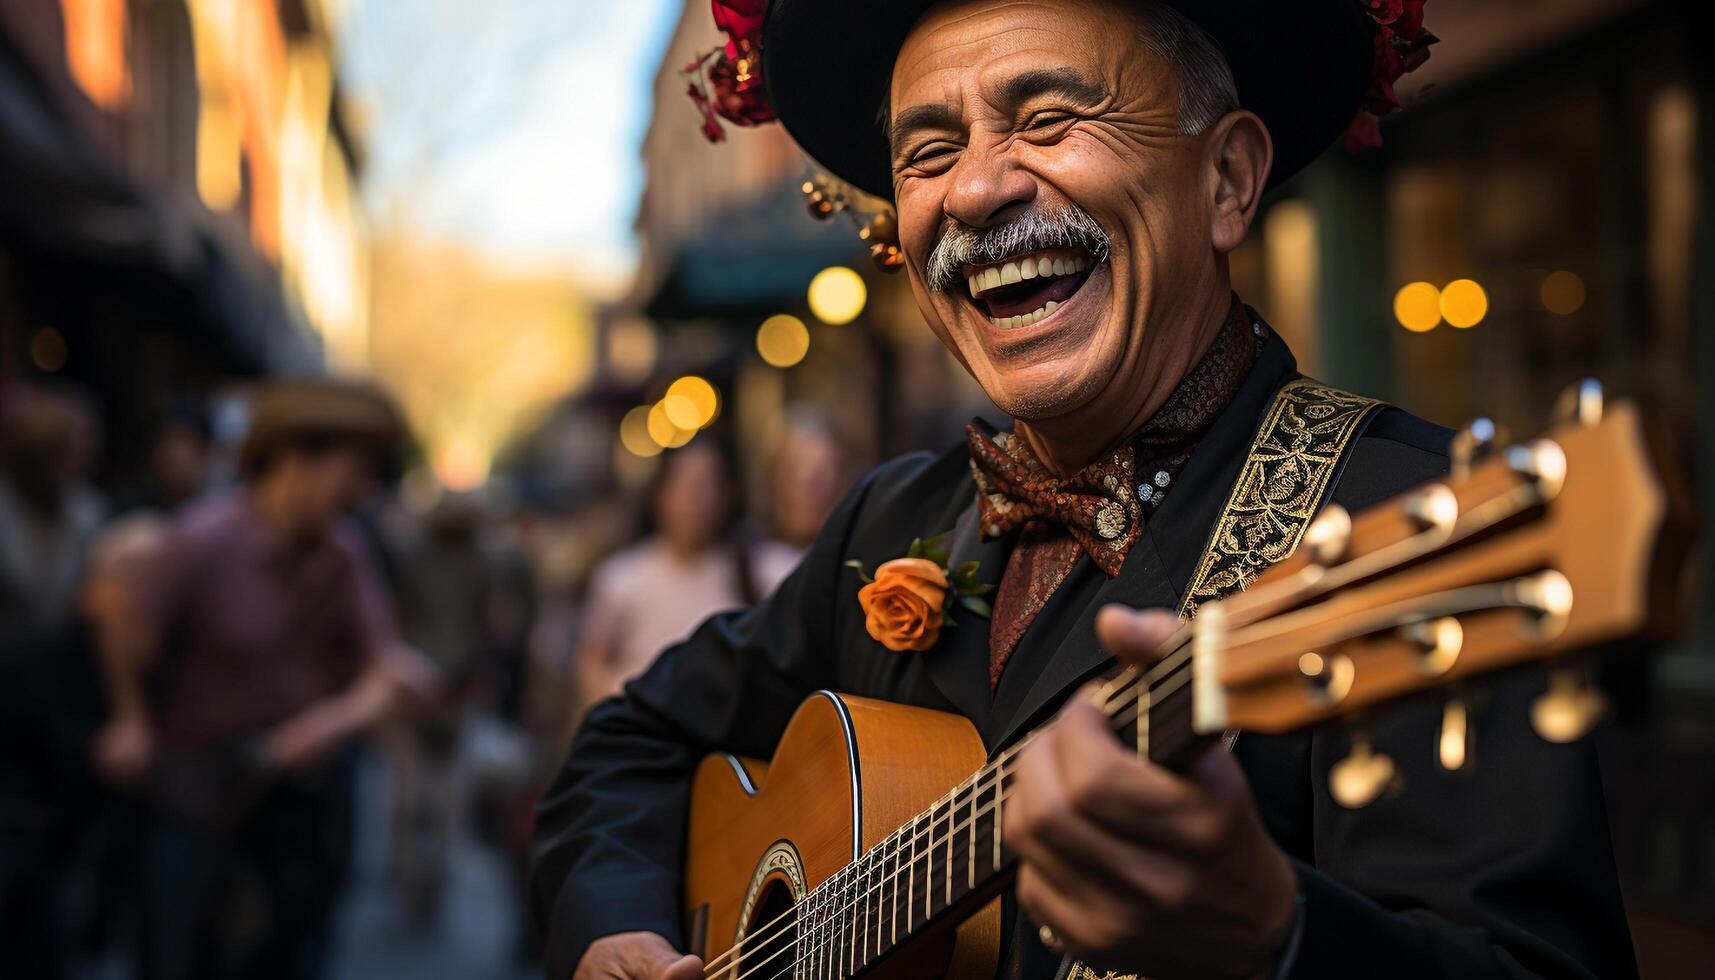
x=1094 y=505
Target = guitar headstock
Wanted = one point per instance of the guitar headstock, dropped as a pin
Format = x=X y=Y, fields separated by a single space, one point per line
x=1532 y=552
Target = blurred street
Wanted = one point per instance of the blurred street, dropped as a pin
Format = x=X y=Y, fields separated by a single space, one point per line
x=480 y=929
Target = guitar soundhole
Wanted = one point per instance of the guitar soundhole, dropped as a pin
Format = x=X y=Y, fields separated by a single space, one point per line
x=773 y=927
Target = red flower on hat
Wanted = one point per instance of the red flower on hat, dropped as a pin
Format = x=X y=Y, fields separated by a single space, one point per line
x=1401 y=46
x=733 y=72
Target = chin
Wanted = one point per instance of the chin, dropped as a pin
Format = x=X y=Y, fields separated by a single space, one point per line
x=1038 y=330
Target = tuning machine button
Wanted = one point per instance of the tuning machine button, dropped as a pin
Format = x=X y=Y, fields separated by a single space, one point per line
x=1547 y=597
x=1438 y=643
x=1543 y=462
x=1361 y=776
x=1453 y=748
x=1330 y=677
x=1329 y=535
x=1570 y=708
x=1580 y=403
x=1476 y=440
x=1434 y=506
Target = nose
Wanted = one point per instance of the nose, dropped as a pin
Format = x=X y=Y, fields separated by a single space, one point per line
x=987 y=187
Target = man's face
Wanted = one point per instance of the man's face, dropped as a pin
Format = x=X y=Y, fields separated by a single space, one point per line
x=1046 y=196
x=330 y=482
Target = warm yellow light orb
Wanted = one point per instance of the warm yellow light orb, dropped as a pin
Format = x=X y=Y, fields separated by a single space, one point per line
x=1417 y=307
x=663 y=431
x=1563 y=293
x=782 y=340
x=691 y=403
x=634 y=433
x=837 y=295
x=1464 y=303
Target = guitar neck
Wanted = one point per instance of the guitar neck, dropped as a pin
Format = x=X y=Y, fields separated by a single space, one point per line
x=952 y=857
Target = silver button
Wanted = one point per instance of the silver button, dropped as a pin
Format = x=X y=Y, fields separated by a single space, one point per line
x=1145 y=492
x=1162 y=479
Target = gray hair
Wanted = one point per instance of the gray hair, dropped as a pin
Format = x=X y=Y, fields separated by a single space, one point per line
x=1207 y=90
x=1063 y=226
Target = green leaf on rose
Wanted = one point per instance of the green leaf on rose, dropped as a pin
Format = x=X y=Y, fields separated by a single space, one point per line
x=978 y=606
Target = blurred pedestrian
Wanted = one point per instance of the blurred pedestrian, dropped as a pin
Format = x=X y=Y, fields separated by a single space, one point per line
x=181 y=443
x=447 y=595
x=264 y=648
x=695 y=563
x=51 y=706
x=47 y=513
x=811 y=472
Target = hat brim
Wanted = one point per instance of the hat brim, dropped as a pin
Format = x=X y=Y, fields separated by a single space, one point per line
x=1303 y=68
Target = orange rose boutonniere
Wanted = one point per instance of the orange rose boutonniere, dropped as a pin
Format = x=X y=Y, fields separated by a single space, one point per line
x=911 y=598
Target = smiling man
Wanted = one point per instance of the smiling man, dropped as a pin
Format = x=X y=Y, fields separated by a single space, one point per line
x=1070 y=177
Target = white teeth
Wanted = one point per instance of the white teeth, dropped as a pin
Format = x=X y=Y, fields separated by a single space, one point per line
x=1027 y=267
x=1024 y=319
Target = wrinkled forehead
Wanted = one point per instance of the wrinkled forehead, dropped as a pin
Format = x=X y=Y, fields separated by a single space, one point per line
x=964 y=49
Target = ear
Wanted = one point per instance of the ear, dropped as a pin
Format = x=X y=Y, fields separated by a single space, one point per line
x=1240 y=155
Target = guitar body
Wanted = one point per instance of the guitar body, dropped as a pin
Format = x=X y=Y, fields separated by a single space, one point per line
x=847 y=773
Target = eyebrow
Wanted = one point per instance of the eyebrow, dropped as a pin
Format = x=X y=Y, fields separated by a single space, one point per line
x=1068 y=82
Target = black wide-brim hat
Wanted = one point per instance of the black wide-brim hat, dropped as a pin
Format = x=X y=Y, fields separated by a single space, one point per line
x=1303 y=66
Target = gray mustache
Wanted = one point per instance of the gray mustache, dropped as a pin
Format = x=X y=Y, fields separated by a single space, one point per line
x=962 y=245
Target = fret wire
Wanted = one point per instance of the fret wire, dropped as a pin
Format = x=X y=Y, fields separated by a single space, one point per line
x=950 y=834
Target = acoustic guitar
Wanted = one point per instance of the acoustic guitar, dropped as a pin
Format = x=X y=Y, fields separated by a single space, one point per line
x=872 y=841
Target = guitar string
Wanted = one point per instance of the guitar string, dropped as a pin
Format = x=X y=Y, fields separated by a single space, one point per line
x=836 y=940
x=1000 y=771
x=1127 y=682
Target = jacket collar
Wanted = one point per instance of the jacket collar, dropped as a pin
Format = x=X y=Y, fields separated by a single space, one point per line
x=1156 y=573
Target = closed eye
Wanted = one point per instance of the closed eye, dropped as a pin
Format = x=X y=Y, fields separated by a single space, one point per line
x=932 y=154
x=1048 y=120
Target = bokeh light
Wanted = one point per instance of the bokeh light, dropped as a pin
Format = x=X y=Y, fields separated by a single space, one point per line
x=782 y=340
x=691 y=403
x=1417 y=307
x=634 y=433
x=1563 y=293
x=666 y=434
x=1464 y=303
x=837 y=295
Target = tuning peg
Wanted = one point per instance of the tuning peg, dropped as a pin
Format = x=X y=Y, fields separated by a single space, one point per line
x=1361 y=776
x=1434 y=506
x=1543 y=462
x=1329 y=535
x=1454 y=745
x=1581 y=402
x=1570 y=708
x=1477 y=439
x=1438 y=641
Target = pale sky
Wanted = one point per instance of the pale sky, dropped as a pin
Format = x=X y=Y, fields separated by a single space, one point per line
x=512 y=126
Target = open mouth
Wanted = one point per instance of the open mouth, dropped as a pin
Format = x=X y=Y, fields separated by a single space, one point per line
x=1025 y=288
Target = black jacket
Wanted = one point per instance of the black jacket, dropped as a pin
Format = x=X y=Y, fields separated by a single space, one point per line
x=1501 y=870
